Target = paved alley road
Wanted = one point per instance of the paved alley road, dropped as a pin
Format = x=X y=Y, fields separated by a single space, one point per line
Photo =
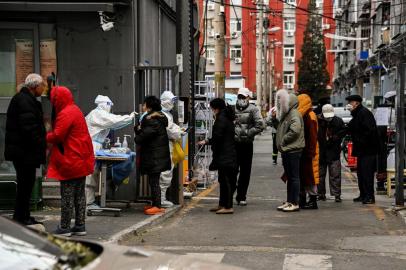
x=337 y=236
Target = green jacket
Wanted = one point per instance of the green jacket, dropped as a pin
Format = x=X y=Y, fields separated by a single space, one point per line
x=290 y=131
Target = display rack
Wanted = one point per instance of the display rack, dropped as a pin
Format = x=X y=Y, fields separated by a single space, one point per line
x=203 y=128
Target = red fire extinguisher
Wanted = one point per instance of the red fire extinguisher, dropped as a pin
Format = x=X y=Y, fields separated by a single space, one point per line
x=351 y=160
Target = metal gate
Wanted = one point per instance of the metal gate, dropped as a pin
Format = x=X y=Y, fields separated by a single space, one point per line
x=151 y=80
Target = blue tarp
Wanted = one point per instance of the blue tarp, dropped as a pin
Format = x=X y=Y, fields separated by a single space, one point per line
x=119 y=171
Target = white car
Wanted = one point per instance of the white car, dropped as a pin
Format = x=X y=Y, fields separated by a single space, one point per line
x=343 y=113
x=24 y=249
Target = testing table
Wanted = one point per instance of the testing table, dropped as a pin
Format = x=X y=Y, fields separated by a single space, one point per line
x=105 y=162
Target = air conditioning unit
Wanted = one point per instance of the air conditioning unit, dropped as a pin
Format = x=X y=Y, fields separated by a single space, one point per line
x=288 y=86
x=210 y=61
x=325 y=26
x=290 y=33
x=291 y=60
x=210 y=6
x=238 y=60
x=234 y=35
x=339 y=12
x=343 y=44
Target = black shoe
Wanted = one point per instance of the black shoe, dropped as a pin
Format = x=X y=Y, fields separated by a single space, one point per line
x=322 y=198
x=34 y=221
x=62 y=232
x=338 y=199
x=368 y=201
x=275 y=162
x=311 y=205
x=31 y=221
x=79 y=230
x=358 y=199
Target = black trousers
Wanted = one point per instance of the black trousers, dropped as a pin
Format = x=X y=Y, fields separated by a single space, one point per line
x=291 y=165
x=366 y=167
x=25 y=184
x=73 y=196
x=244 y=162
x=153 y=180
x=274 y=148
x=227 y=179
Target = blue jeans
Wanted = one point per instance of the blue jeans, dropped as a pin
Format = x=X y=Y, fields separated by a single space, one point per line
x=291 y=163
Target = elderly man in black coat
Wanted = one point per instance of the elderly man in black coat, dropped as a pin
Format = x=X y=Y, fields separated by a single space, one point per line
x=25 y=142
x=364 y=134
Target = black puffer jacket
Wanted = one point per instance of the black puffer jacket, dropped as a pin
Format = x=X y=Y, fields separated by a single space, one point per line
x=153 y=144
x=25 y=131
x=364 y=133
x=222 y=142
x=330 y=135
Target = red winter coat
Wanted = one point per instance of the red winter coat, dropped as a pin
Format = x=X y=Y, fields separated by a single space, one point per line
x=72 y=150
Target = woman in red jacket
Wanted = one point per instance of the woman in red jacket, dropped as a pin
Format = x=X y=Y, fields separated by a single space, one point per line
x=72 y=159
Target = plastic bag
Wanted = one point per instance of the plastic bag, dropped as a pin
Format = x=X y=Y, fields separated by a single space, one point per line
x=178 y=155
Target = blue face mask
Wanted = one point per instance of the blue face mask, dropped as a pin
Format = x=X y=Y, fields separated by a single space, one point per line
x=142 y=116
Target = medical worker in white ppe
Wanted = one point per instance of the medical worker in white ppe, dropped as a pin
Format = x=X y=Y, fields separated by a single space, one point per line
x=99 y=122
x=174 y=133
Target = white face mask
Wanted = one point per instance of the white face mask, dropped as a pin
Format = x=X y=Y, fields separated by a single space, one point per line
x=349 y=107
x=105 y=106
x=167 y=106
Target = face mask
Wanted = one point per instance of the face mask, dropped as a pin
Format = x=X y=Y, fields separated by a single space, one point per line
x=167 y=106
x=105 y=106
x=349 y=107
x=142 y=116
x=242 y=102
x=329 y=119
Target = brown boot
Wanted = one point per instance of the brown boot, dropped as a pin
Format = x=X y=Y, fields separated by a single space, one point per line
x=217 y=208
x=224 y=211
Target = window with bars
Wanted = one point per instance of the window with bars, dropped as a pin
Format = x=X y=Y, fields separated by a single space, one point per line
x=235 y=25
x=288 y=51
x=235 y=52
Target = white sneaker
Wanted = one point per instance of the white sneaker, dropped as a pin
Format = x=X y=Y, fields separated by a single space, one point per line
x=93 y=207
x=291 y=208
x=166 y=204
x=280 y=208
x=243 y=203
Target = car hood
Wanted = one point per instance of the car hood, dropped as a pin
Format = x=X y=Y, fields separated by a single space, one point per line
x=123 y=258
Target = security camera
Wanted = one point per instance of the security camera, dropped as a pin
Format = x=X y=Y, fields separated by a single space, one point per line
x=107 y=26
x=217 y=36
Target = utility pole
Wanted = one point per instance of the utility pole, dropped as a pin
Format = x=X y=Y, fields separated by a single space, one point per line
x=400 y=137
x=219 y=46
x=266 y=68
x=260 y=49
x=271 y=71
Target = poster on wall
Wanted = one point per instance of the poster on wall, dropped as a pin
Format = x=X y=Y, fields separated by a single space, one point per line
x=24 y=60
x=48 y=58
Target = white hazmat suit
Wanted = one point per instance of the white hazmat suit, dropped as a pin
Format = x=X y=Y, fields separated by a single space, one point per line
x=174 y=134
x=99 y=122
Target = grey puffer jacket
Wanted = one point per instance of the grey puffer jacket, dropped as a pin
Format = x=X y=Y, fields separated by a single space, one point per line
x=248 y=123
x=290 y=132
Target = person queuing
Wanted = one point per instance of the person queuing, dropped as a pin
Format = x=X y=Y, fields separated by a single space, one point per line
x=153 y=149
x=364 y=135
x=248 y=124
x=174 y=134
x=224 y=154
x=25 y=143
x=273 y=130
x=71 y=160
x=99 y=122
x=309 y=162
x=290 y=141
x=331 y=133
